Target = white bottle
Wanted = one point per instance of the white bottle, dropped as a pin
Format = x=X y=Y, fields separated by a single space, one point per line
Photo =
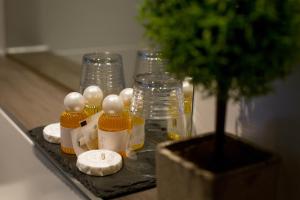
x=113 y=125
x=137 y=136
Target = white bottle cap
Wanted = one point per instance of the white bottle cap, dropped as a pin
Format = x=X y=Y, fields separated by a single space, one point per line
x=74 y=102
x=126 y=96
x=187 y=88
x=112 y=104
x=99 y=162
x=93 y=95
x=51 y=133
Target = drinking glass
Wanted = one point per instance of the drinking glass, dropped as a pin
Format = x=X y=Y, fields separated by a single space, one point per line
x=149 y=61
x=157 y=112
x=104 y=70
x=158 y=99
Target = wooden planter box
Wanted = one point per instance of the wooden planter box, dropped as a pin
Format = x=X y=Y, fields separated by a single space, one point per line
x=252 y=178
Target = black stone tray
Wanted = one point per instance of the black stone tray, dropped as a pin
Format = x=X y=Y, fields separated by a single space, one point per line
x=136 y=175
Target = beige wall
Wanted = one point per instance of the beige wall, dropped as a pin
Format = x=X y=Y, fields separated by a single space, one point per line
x=89 y=23
x=22 y=23
x=67 y=24
x=74 y=27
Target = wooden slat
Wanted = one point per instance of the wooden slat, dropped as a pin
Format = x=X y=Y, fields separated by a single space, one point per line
x=51 y=66
x=33 y=100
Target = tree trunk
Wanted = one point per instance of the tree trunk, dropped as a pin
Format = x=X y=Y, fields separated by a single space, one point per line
x=221 y=106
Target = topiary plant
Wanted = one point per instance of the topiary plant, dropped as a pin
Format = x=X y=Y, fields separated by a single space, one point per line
x=234 y=48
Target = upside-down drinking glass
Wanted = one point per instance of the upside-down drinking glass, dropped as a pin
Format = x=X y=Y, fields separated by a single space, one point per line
x=103 y=69
x=159 y=98
x=157 y=112
x=149 y=61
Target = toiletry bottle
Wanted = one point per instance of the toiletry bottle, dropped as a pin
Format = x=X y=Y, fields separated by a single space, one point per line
x=113 y=125
x=126 y=96
x=93 y=96
x=137 y=135
x=70 y=119
x=188 y=90
x=177 y=124
x=176 y=128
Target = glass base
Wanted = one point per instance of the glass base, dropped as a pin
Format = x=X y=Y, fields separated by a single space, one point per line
x=141 y=162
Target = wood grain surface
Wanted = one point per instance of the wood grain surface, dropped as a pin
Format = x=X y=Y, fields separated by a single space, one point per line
x=34 y=100
x=47 y=64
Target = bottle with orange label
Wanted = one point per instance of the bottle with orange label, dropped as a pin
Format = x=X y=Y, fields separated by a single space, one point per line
x=137 y=135
x=70 y=119
x=113 y=125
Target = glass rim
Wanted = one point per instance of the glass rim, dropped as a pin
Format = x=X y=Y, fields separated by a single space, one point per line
x=102 y=57
x=153 y=79
x=148 y=54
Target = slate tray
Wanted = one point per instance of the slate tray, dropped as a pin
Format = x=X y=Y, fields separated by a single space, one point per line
x=136 y=175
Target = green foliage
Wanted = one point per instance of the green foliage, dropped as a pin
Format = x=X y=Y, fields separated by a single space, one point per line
x=244 y=44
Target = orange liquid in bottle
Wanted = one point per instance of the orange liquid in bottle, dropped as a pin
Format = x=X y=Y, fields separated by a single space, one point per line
x=137 y=128
x=188 y=108
x=91 y=110
x=68 y=121
x=173 y=123
x=138 y=124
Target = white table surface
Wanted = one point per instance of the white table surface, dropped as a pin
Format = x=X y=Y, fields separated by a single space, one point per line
x=23 y=173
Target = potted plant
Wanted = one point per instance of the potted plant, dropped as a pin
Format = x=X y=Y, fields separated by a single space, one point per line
x=234 y=49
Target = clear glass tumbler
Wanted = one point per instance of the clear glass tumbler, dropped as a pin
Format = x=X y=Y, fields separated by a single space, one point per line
x=157 y=112
x=103 y=69
x=158 y=101
x=149 y=61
